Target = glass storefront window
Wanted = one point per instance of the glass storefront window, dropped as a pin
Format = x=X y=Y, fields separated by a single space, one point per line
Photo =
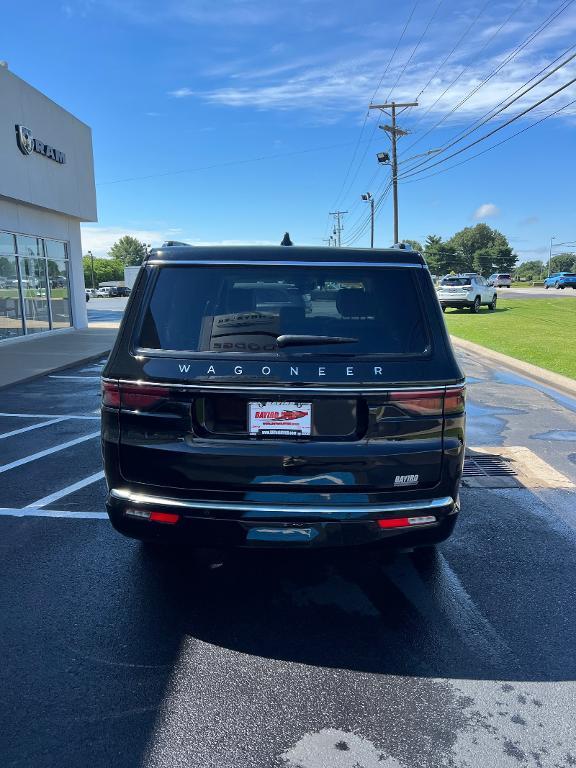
x=29 y=246
x=34 y=285
x=59 y=293
x=35 y=294
x=7 y=243
x=10 y=309
x=55 y=249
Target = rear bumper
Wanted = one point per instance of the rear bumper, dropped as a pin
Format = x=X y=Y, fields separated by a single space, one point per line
x=213 y=524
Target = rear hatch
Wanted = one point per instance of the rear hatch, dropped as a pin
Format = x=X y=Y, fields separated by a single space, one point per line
x=286 y=377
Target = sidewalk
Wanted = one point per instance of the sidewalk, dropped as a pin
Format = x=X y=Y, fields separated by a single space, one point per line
x=31 y=357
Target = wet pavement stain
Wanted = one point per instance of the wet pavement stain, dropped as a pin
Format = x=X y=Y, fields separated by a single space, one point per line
x=566 y=435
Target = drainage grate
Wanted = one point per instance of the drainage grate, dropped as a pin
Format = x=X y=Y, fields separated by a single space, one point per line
x=487 y=465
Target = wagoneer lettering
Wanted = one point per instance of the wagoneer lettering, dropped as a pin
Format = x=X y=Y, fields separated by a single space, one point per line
x=249 y=394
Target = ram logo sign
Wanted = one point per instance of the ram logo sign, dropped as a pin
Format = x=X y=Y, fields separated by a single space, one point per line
x=28 y=144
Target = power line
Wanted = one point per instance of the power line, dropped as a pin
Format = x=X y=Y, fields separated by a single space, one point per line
x=492 y=146
x=431 y=19
x=492 y=114
x=228 y=163
x=467 y=67
x=468 y=29
x=512 y=55
x=343 y=194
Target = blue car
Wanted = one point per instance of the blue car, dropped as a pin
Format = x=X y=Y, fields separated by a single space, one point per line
x=561 y=280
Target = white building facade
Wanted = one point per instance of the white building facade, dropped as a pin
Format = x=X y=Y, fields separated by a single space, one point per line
x=46 y=190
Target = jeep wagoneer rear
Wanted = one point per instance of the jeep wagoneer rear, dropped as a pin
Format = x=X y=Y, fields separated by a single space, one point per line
x=294 y=397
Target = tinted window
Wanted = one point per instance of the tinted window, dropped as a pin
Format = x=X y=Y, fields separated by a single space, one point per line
x=244 y=309
x=456 y=281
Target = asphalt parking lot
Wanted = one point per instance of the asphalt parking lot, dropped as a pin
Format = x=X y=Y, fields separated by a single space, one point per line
x=113 y=657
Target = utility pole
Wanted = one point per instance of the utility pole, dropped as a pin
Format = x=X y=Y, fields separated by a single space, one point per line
x=339 y=226
x=368 y=198
x=394 y=132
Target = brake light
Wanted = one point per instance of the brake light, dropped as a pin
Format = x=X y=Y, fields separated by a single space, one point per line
x=406 y=522
x=429 y=402
x=110 y=394
x=423 y=403
x=454 y=401
x=132 y=397
x=171 y=518
x=140 y=397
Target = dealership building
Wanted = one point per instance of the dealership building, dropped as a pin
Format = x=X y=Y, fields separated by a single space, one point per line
x=46 y=190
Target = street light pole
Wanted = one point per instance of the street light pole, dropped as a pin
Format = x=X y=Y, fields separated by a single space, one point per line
x=92 y=268
x=550 y=255
x=368 y=198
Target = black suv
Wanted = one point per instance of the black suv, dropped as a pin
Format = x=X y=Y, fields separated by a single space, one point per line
x=274 y=396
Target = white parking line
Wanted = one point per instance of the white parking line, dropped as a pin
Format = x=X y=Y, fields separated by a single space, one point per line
x=43 y=502
x=32 y=426
x=48 y=451
x=26 y=512
x=82 y=378
x=46 y=416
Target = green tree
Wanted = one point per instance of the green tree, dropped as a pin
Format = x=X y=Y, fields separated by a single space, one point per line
x=128 y=250
x=482 y=239
x=530 y=270
x=439 y=257
x=483 y=261
x=563 y=262
x=105 y=270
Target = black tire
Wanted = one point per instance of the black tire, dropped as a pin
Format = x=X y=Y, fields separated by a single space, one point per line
x=546 y=287
x=492 y=305
x=476 y=306
x=557 y=286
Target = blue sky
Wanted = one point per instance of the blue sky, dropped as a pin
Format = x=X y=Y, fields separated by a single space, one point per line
x=189 y=93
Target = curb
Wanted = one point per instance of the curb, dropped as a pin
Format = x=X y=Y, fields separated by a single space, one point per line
x=541 y=375
x=81 y=361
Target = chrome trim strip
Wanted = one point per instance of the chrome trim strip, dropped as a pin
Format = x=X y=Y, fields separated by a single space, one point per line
x=278 y=263
x=401 y=506
x=285 y=388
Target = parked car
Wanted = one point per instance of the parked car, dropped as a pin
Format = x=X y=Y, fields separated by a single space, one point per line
x=92 y=292
x=103 y=292
x=235 y=412
x=500 y=280
x=465 y=291
x=561 y=280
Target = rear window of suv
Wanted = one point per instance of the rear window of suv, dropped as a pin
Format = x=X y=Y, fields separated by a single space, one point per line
x=244 y=309
x=456 y=281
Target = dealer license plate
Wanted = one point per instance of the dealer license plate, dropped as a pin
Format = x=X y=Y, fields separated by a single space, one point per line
x=282 y=419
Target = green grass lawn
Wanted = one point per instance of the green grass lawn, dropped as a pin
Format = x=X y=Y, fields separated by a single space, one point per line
x=538 y=331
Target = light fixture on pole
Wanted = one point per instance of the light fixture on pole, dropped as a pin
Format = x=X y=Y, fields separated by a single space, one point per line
x=368 y=198
x=550 y=255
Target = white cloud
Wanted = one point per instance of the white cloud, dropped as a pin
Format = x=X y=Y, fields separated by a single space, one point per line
x=181 y=93
x=99 y=239
x=485 y=211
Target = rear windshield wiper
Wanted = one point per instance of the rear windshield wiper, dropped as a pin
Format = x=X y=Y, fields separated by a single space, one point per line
x=295 y=340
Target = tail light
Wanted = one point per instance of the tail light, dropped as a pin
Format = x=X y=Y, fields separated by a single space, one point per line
x=132 y=397
x=431 y=402
x=454 y=401
x=406 y=522
x=170 y=518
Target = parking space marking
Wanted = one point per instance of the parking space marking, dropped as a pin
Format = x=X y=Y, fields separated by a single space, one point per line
x=43 y=502
x=28 y=512
x=48 y=452
x=76 y=378
x=48 y=416
x=33 y=426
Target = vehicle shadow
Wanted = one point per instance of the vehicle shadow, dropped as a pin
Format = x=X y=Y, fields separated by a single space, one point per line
x=483 y=310
x=479 y=609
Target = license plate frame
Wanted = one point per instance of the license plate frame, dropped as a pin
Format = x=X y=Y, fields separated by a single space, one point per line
x=275 y=418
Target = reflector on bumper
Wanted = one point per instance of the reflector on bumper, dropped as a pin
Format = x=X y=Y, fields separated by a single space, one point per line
x=406 y=522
